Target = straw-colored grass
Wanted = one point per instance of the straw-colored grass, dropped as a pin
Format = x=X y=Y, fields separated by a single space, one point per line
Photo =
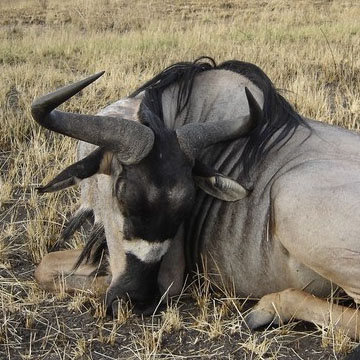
x=310 y=49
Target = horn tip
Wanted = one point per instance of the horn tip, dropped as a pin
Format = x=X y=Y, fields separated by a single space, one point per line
x=248 y=93
x=251 y=98
x=87 y=81
x=101 y=73
x=97 y=75
x=94 y=77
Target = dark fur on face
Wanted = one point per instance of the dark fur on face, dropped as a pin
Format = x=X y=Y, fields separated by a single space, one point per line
x=157 y=194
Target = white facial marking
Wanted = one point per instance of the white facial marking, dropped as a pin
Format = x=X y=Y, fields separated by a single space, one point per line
x=146 y=251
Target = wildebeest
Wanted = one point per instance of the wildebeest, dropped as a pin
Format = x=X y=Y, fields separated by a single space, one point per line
x=210 y=161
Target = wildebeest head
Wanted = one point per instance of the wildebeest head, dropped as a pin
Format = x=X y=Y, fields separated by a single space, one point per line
x=154 y=172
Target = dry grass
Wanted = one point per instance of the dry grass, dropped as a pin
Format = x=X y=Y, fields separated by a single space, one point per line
x=310 y=48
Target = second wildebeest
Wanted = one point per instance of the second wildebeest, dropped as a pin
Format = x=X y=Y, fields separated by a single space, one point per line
x=210 y=160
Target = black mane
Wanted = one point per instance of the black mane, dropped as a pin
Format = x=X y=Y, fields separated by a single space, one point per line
x=182 y=73
x=279 y=115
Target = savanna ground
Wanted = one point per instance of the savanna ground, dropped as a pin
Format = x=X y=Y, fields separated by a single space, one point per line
x=310 y=49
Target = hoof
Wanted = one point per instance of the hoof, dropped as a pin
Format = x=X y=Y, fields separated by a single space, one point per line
x=260 y=317
x=266 y=311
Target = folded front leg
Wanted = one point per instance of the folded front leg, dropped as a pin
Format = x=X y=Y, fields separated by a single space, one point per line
x=56 y=272
x=280 y=307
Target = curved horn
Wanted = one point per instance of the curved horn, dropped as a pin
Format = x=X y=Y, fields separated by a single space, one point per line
x=195 y=137
x=131 y=140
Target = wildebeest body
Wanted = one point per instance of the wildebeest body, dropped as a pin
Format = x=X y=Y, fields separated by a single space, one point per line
x=295 y=227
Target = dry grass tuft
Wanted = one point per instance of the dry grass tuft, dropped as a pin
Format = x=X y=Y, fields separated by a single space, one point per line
x=310 y=49
x=172 y=320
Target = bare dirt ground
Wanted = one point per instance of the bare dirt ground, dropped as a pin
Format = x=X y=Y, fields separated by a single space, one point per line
x=311 y=49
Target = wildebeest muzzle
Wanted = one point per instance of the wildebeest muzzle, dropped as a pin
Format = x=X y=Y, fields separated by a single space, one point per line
x=138 y=284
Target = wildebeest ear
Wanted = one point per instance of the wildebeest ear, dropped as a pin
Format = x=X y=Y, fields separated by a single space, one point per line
x=216 y=184
x=96 y=162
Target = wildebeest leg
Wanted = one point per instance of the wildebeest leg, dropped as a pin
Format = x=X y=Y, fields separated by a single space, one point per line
x=282 y=306
x=56 y=272
x=317 y=224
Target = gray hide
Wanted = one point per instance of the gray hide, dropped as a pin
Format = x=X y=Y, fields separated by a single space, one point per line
x=298 y=228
